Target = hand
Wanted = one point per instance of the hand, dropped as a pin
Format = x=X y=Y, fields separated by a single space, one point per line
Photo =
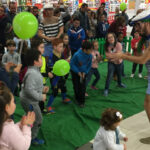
x=50 y=39
x=114 y=56
x=18 y=68
x=44 y=97
x=79 y=36
x=79 y=74
x=72 y=31
x=8 y=65
x=28 y=119
x=125 y=139
x=125 y=147
x=45 y=89
x=83 y=75
x=50 y=75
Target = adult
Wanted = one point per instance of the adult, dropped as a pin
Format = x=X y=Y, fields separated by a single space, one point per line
x=82 y=15
x=64 y=12
x=3 y=24
x=50 y=28
x=143 y=20
x=92 y=22
x=101 y=10
x=12 y=11
x=117 y=26
x=11 y=14
x=35 y=12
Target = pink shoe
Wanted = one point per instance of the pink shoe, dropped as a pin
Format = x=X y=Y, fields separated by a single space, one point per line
x=86 y=94
x=94 y=88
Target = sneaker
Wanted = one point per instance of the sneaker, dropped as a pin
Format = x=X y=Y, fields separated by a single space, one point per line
x=50 y=110
x=94 y=88
x=66 y=101
x=132 y=75
x=122 y=85
x=105 y=92
x=37 y=141
x=140 y=75
x=86 y=95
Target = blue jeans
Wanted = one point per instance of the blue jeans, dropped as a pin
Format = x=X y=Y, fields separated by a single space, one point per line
x=89 y=76
x=47 y=49
x=111 y=68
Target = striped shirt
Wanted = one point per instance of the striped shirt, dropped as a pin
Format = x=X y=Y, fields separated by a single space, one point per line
x=51 y=30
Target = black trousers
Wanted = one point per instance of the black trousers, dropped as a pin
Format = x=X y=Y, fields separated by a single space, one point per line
x=79 y=88
x=134 y=68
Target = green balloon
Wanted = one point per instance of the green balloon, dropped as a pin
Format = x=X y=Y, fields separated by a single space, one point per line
x=123 y=6
x=61 y=67
x=25 y=25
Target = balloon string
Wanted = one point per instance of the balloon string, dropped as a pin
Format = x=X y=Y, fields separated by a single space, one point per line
x=21 y=47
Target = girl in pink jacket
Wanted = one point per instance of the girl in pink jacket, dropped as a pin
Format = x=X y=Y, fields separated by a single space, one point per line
x=13 y=136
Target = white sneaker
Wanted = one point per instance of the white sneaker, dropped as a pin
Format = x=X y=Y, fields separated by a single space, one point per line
x=140 y=75
x=132 y=75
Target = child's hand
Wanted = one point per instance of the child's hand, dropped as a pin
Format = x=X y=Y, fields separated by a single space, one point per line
x=83 y=75
x=72 y=31
x=18 y=68
x=8 y=66
x=79 y=36
x=125 y=147
x=28 y=119
x=79 y=74
x=125 y=139
x=44 y=97
x=50 y=75
x=46 y=89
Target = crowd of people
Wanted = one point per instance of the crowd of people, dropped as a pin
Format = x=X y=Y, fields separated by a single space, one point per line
x=27 y=65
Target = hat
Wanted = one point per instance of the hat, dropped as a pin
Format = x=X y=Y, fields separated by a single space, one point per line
x=48 y=6
x=144 y=16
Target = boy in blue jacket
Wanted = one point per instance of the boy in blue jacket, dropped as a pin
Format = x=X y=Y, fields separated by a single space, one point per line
x=76 y=36
x=80 y=66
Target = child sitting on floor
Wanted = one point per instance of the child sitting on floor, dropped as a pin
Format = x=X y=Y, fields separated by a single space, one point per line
x=109 y=135
x=13 y=136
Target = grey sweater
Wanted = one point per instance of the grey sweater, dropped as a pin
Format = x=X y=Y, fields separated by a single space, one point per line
x=14 y=58
x=32 y=87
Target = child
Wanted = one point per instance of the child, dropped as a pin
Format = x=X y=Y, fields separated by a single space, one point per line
x=76 y=36
x=134 y=45
x=67 y=50
x=80 y=66
x=32 y=91
x=37 y=44
x=56 y=82
x=120 y=39
x=109 y=135
x=11 y=55
x=112 y=46
x=13 y=136
x=102 y=27
x=94 y=69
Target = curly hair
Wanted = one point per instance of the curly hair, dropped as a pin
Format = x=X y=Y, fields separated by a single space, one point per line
x=109 y=117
